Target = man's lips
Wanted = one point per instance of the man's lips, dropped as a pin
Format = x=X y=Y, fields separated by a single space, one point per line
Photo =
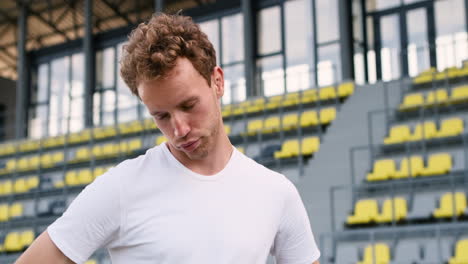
x=189 y=145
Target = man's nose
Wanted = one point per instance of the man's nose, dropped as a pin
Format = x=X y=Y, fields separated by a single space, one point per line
x=180 y=126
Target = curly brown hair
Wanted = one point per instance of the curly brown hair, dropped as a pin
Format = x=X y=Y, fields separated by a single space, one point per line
x=154 y=46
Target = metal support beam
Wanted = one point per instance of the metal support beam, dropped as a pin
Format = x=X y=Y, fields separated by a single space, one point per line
x=250 y=40
x=158 y=5
x=89 y=62
x=50 y=24
x=23 y=75
x=346 y=40
x=116 y=10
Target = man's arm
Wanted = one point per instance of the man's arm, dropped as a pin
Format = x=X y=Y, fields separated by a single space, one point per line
x=316 y=262
x=43 y=250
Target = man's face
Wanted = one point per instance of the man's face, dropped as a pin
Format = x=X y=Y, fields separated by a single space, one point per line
x=186 y=108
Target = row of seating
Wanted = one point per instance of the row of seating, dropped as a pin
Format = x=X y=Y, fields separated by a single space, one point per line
x=366 y=210
x=426 y=130
x=288 y=122
x=107 y=150
x=439 y=97
x=18 y=186
x=385 y=169
x=33 y=162
x=290 y=99
x=16 y=241
x=293 y=148
x=431 y=74
x=8 y=212
x=81 y=176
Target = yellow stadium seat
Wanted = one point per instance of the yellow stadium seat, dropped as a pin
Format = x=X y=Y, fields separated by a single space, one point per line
x=254 y=126
x=4 y=213
x=71 y=178
x=54 y=141
x=309 y=96
x=274 y=102
x=256 y=106
x=7 y=149
x=365 y=211
x=309 y=118
x=427 y=133
x=20 y=186
x=160 y=140
x=104 y=132
x=398 y=134
x=396 y=209
x=29 y=145
x=98 y=171
x=327 y=115
x=461 y=253
x=149 y=124
x=310 y=145
x=7 y=187
x=59 y=184
x=383 y=170
x=32 y=182
x=226 y=110
x=291 y=99
x=16 y=210
x=439 y=97
x=23 y=164
x=227 y=129
x=97 y=152
x=135 y=144
x=109 y=150
x=376 y=254
x=446 y=205
x=82 y=136
x=271 y=125
x=290 y=121
x=241 y=108
x=91 y=261
x=412 y=101
x=416 y=163
x=46 y=160
x=85 y=176
x=26 y=238
x=326 y=93
x=290 y=148
x=459 y=94
x=34 y=162
x=241 y=149
x=450 y=127
x=345 y=89
x=438 y=164
x=13 y=242
x=123 y=147
x=82 y=154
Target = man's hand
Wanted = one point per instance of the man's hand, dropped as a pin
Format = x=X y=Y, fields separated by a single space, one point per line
x=43 y=250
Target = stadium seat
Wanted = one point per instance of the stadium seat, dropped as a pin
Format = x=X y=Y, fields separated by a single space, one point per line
x=85 y=176
x=4 y=213
x=393 y=209
x=459 y=94
x=104 y=132
x=59 y=184
x=426 y=131
x=82 y=154
x=398 y=134
x=290 y=121
x=91 y=261
x=310 y=145
x=82 y=136
x=134 y=145
x=327 y=115
x=271 y=125
x=132 y=127
x=98 y=171
x=109 y=150
x=415 y=163
x=291 y=99
x=7 y=187
x=23 y=164
x=461 y=253
x=381 y=256
x=227 y=129
x=412 y=101
x=20 y=186
x=365 y=211
x=438 y=164
x=7 y=149
x=345 y=89
x=53 y=141
x=446 y=205
x=257 y=105
x=241 y=149
x=309 y=96
x=450 y=127
x=326 y=93
x=13 y=242
x=383 y=170
x=439 y=97
x=26 y=238
x=29 y=145
x=290 y=148
x=309 y=118
x=32 y=182
x=16 y=210
x=71 y=178
x=274 y=102
x=160 y=140
x=226 y=110
x=149 y=124
x=254 y=126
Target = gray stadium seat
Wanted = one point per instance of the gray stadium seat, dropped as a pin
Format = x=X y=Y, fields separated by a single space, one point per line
x=347 y=254
x=422 y=207
x=407 y=251
x=431 y=251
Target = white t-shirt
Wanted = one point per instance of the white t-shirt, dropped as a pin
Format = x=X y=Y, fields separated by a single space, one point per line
x=152 y=209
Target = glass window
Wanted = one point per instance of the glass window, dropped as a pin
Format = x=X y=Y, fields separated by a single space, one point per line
x=59 y=96
x=38 y=121
x=390 y=51
x=269 y=31
x=42 y=83
x=271 y=74
x=375 y=5
x=77 y=94
x=327 y=20
x=418 y=48
x=299 y=45
x=234 y=84
x=451 y=39
x=105 y=68
x=329 y=65
x=233 y=38
x=126 y=101
x=210 y=28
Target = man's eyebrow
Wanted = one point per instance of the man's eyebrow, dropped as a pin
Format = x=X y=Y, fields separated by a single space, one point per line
x=181 y=104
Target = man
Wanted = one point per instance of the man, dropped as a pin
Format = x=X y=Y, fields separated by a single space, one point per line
x=194 y=199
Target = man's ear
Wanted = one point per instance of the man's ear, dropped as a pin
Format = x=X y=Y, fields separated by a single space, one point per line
x=217 y=81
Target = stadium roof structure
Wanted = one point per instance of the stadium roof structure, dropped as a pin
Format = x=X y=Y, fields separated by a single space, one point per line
x=51 y=22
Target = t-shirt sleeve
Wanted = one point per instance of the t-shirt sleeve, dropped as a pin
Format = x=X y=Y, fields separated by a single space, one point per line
x=294 y=242
x=91 y=221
